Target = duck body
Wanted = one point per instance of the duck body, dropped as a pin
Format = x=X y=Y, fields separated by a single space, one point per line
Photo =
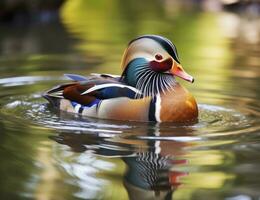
x=146 y=90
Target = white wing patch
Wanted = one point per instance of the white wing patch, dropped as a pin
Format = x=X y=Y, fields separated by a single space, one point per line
x=107 y=85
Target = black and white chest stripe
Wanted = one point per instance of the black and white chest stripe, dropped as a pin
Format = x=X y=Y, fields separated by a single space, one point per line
x=155 y=108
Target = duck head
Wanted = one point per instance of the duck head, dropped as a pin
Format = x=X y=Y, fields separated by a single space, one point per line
x=150 y=63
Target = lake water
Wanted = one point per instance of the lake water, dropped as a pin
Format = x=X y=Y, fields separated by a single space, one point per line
x=50 y=155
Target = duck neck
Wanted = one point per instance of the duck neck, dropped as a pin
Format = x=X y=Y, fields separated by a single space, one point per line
x=129 y=74
x=139 y=74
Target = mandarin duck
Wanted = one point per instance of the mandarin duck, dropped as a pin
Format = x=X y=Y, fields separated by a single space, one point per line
x=147 y=89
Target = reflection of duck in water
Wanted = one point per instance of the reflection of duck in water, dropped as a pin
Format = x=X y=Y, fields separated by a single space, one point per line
x=146 y=91
x=149 y=176
x=149 y=162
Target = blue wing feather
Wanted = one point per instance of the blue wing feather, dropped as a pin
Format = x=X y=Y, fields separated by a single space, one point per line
x=113 y=92
x=76 y=77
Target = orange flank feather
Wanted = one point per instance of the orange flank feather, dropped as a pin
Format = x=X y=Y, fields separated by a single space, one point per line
x=178 y=105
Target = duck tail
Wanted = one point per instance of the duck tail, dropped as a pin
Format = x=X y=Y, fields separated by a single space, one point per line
x=55 y=95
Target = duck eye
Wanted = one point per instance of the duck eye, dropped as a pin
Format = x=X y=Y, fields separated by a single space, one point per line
x=158 y=56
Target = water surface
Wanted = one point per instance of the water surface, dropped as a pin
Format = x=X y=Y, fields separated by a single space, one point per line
x=47 y=154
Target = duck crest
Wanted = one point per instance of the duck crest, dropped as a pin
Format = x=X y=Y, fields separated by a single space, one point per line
x=164 y=42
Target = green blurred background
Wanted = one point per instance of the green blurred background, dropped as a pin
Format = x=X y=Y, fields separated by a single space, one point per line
x=218 y=43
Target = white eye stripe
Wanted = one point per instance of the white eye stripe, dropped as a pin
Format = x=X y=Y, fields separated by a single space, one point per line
x=164 y=42
x=172 y=46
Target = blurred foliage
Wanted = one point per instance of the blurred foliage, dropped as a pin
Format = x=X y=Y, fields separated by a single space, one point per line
x=91 y=37
x=105 y=28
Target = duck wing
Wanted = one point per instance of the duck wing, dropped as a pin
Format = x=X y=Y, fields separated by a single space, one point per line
x=88 y=90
